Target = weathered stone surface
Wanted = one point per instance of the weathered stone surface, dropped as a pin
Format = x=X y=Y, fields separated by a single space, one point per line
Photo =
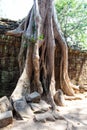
x=6 y=25
x=33 y=97
x=59 y=98
x=42 y=106
x=6 y=118
x=83 y=88
x=23 y=109
x=44 y=116
x=77 y=67
x=9 y=70
x=9 y=49
x=5 y=104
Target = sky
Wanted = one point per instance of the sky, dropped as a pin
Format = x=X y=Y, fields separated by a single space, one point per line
x=15 y=9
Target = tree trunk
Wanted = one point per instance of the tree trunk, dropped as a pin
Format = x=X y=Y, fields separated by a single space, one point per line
x=39 y=31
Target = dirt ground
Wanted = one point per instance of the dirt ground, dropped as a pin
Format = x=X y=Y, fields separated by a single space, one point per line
x=75 y=113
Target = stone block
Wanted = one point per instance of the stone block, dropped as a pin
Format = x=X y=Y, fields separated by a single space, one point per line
x=40 y=107
x=33 y=97
x=59 y=98
x=44 y=116
x=23 y=109
x=83 y=88
x=5 y=104
x=6 y=118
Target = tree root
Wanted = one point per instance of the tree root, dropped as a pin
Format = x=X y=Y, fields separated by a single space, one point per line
x=75 y=97
x=37 y=66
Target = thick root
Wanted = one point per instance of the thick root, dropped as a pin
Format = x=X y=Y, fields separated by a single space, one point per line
x=18 y=31
x=64 y=78
x=40 y=23
x=39 y=87
x=21 y=90
x=15 y=32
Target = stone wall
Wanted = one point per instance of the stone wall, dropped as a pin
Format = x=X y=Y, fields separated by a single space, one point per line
x=9 y=71
x=78 y=67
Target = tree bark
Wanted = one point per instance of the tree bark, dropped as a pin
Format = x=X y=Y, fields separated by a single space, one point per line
x=36 y=61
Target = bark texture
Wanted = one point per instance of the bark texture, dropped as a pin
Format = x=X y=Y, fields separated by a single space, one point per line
x=39 y=31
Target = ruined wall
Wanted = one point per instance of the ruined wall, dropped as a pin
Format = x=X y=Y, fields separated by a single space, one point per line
x=78 y=67
x=9 y=70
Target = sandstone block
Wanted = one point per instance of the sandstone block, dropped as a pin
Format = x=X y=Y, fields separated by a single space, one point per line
x=40 y=107
x=44 y=116
x=23 y=109
x=5 y=104
x=59 y=98
x=33 y=97
x=6 y=118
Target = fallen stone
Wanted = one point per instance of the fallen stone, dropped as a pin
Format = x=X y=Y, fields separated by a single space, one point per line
x=6 y=118
x=23 y=109
x=40 y=107
x=83 y=88
x=59 y=98
x=44 y=116
x=33 y=97
x=5 y=104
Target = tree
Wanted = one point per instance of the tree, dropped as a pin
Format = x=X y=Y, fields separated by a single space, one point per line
x=41 y=34
x=72 y=15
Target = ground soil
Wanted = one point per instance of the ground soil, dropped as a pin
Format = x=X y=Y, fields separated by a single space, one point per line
x=75 y=113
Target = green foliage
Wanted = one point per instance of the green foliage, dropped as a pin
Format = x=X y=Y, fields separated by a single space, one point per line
x=41 y=37
x=32 y=40
x=72 y=15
